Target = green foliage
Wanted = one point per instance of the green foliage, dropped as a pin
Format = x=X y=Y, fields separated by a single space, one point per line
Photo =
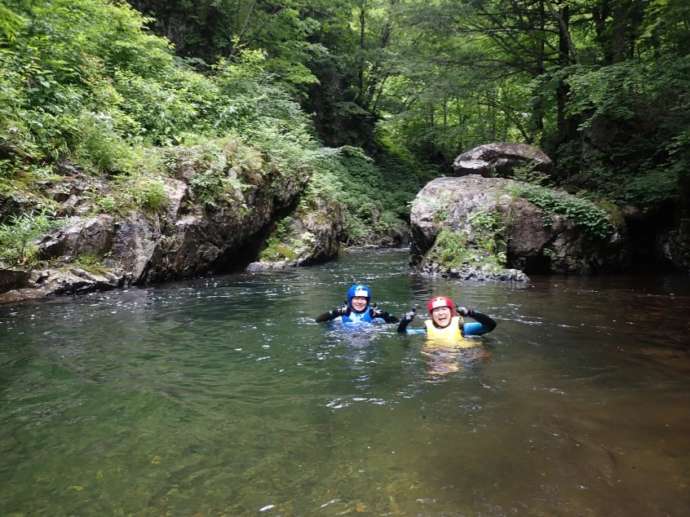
x=585 y=214
x=450 y=249
x=488 y=229
x=99 y=147
x=17 y=238
x=281 y=245
x=374 y=198
x=130 y=192
x=149 y=193
x=90 y=263
x=99 y=87
x=219 y=168
x=482 y=245
x=529 y=174
x=655 y=187
x=107 y=204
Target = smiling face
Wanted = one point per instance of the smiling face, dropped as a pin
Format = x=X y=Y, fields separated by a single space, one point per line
x=359 y=303
x=441 y=316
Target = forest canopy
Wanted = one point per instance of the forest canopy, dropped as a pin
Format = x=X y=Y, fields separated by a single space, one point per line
x=601 y=85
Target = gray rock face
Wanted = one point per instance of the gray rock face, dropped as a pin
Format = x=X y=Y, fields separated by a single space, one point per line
x=84 y=236
x=674 y=245
x=468 y=211
x=476 y=274
x=499 y=159
x=12 y=278
x=312 y=234
x=187 y=236
x=15 y=204
x=63 y=281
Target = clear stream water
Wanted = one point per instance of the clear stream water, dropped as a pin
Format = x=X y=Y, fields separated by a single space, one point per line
x=222 y=397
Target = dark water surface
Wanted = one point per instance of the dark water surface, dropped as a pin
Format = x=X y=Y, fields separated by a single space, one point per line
x=223 y=397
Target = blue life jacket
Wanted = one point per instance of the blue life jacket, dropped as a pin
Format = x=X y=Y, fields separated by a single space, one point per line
x=358 y=318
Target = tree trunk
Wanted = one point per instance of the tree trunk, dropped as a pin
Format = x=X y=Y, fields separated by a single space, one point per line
x=362 y=44
x=536 y=125
x=567 y=126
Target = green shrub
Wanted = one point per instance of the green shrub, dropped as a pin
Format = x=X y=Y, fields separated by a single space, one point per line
x=373 y=203
x=450 y=249
x=90 y=263
x=17 y=246
x=107 y=204
x=529 y=174
x=482 y=246
x=585 y=214
x=99 y=146
x=218 y=166
x=652 y=188
x=149 y=193
x=282 y=243
x=488 y=229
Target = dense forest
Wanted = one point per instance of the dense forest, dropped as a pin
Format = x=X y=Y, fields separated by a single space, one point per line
x=369 y=98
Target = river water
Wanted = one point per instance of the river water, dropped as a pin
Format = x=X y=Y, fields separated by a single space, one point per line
x=223 y=397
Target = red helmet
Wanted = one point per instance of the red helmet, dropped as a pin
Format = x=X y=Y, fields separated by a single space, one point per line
x=440 y=301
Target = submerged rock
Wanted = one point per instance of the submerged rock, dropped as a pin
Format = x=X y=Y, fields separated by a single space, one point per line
x=488 y=227
x=69 y=280
x=263 y=266
x=475 y=273
x=499 y=159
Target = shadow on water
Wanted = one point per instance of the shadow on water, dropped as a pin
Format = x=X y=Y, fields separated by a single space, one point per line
x=222 y=396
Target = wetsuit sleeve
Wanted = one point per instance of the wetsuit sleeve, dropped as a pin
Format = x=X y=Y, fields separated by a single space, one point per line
x=388 y=318
x=483 y=324
x=330 y=315
x=326 y=316
x=402 y=327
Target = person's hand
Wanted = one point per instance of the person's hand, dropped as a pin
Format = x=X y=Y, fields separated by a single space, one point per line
x=464 y=311
x=409 y=316
x=339 y=311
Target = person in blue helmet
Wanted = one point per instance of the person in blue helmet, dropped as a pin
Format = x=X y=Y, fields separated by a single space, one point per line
x=358 y=309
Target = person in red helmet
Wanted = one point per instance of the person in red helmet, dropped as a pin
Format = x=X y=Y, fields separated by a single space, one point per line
x=446 y=326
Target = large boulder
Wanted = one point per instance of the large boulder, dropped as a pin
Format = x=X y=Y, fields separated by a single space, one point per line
x=500 y=159
x=310 y=235
x=479 y=227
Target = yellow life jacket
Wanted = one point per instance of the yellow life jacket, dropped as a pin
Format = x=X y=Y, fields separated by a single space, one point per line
x=448 y=337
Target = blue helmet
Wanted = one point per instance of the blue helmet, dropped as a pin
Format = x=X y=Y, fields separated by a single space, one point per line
x=358 y=290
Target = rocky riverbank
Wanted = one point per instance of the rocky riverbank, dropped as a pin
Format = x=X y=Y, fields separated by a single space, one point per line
x=206 y=214
x=487 y=228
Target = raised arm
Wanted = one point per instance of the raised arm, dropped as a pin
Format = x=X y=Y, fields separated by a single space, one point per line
x=385 y=316
x=332 y=314
x=406 y=320
x=482 y=325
